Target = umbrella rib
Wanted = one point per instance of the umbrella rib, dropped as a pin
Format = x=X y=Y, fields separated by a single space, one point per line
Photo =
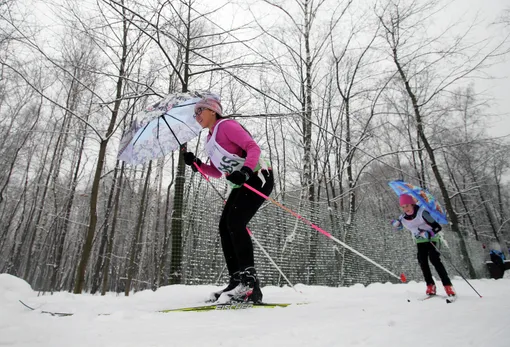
x=159 y=142
x=141 y=132
x=179 y=120
x=170 y=128
x=182 y=105
x=162 y=116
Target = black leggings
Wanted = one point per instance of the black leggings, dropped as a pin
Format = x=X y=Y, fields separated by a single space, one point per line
x=427 y=251
x=241 y=206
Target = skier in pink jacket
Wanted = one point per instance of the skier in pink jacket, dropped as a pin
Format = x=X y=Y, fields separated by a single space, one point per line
x=233 y=153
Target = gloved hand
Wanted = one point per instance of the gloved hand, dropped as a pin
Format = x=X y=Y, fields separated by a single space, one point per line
x=426 y=234
x=189 y=159
x=397 y=225
x=241 y=176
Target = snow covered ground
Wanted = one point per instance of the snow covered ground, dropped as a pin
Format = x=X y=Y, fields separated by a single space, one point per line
x=378 y=315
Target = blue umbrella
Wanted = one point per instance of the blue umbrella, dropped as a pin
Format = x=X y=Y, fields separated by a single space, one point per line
x=161 y=128
x=422 y=197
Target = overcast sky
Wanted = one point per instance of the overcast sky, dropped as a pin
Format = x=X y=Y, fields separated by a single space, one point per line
x=498 y=87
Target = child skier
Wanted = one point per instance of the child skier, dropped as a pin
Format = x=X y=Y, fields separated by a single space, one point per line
x=425 y=229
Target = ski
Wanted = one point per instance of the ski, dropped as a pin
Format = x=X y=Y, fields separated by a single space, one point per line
x=451 y=299
x=228 y=306
x=203 y=308
x=58 y=314
x=427 y=297
x=448 y=299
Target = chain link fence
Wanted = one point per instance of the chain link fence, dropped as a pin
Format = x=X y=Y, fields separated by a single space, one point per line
x=304 y=255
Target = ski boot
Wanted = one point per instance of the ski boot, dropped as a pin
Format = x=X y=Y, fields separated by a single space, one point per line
x=449 y=290
x=248 y=290
x=431 y=289
x=235 y=279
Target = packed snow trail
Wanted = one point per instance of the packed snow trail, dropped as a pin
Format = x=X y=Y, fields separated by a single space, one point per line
x=377 y=315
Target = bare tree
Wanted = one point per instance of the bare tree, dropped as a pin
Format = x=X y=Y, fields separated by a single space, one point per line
x=418 y=60
x=477 y=164
x=195 y=54
x=304 y=56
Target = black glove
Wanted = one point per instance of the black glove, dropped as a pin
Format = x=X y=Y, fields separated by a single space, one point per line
x=241 y=176
x=189 y=159
x=436 y=228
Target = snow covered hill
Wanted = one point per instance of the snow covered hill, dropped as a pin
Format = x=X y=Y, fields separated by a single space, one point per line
x=378 y=315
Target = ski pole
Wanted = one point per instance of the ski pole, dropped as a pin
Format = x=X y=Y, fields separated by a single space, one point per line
x=221 y=274
x=451 y=263
x=402 y=277
x=248 y=230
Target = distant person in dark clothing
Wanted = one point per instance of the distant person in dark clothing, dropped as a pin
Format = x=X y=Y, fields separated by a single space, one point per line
x=498 y=261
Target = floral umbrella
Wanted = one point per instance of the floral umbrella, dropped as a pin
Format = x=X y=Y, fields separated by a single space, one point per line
x=161 y=128
x=422 y=197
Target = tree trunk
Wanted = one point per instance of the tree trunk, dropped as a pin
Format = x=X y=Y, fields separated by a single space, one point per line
x=464 y=204
x=87 y=246
x=38 y=210
x=67 y=215
x=133 y=254
x=176 y=225
x=111 y=236
x=166 y=238
x=430 y=151
x=104 y=247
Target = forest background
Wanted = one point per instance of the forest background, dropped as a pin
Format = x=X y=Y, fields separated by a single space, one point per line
x=342 y=96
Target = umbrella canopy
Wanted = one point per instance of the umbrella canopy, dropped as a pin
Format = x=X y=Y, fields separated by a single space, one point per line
x=161 y=128
x=422 y=197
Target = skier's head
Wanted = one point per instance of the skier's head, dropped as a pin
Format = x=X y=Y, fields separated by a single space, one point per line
x=207 y=111
x=210 y=103
x=405 y=199
x=407 y=203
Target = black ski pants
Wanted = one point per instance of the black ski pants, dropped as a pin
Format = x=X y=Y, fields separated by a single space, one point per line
x=241 y=206
x=426 y=252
